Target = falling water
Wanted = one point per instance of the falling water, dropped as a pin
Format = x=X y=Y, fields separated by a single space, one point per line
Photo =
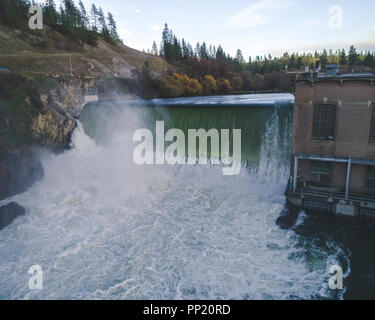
x=102 y=227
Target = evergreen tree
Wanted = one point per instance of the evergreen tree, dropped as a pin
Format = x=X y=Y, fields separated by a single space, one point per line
x=220 y=54
x=185 y=50
x=112 y=27
x=50 y=13
x=101 y=20
x=197 y=50
x=203 y=54
x=166 y=48
x=94 y=17
x=71 y=15
x=70 y=20
x=176 y=50
x=154 y=48
x=369 y=60
x=103 y=26
x=343 y=60
x=353 y=56
x=324 y=58
x=84 y=17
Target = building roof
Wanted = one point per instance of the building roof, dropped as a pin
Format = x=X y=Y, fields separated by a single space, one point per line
x=313 y=76
x=347 y=75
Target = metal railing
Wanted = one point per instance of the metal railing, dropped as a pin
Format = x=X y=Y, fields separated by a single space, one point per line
x=335 y=195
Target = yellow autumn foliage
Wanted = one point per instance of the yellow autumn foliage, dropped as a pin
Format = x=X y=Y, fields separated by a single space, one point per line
x=209 y=85
x=178 y=85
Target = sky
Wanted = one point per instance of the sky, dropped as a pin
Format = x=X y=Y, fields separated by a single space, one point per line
x=257 y=27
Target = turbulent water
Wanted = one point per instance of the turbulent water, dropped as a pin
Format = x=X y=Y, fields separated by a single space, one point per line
x=102 y=227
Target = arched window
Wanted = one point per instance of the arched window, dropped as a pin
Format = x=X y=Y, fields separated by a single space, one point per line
x=324 y=122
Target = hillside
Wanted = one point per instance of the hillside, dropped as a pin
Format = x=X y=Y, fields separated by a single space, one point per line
x=48 y=52
x=40 y=99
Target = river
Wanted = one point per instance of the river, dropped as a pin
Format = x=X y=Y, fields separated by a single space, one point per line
x=102 y=227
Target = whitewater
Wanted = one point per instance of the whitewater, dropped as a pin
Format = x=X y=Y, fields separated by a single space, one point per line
x=102 y=227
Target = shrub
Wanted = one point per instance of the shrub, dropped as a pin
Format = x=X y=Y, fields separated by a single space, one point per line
x=209 y=85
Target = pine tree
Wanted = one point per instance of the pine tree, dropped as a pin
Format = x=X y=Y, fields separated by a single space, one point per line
x=197 y=49
x=324 y=58
x=203 y=54
x=50 y=13
x=369 y=60
x=154 y=48
x=84 y=17
x=169 y=48
x=101 y=20
x=112 y=27
x=353 y=56
x=71 y=14
x=343 y=60
x=220 y=54
x=103 y=26
x=176 y=49
x=94 y=17
x=185 y=50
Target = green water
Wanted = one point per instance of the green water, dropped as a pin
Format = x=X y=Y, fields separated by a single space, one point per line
x=253 y=121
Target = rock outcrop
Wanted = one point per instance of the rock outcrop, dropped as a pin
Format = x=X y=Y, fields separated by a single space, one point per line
x=53 y=127
x=29 y=120
x=20 y=168
x=288 y=216
x=10 y=212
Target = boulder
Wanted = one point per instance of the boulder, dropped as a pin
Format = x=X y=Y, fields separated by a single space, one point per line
x=288 y=216
x=19 y=170
x=10 y=212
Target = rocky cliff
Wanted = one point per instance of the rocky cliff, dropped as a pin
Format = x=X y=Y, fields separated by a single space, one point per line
x=44 y=92
x=29 y=120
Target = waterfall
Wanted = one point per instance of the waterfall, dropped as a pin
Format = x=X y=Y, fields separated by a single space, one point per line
x=102 y=227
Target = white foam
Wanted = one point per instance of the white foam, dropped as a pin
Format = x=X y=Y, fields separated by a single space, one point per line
x=103 y=228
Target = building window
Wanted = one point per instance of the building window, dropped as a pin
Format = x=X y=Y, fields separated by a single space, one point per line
x=324 y=122
x=370 y=177
x=372 y=127
x=321 y=172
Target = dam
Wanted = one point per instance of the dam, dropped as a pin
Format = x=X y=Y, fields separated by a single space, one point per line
x=102 y=227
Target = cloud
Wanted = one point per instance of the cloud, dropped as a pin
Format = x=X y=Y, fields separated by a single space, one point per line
x=134 y=9
x=156 y=27
x=260 y=13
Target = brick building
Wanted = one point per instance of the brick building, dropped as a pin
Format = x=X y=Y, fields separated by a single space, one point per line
x=333 y=145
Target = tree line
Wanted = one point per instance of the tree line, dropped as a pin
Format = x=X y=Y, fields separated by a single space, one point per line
x=70 y=19
x=254 y=74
